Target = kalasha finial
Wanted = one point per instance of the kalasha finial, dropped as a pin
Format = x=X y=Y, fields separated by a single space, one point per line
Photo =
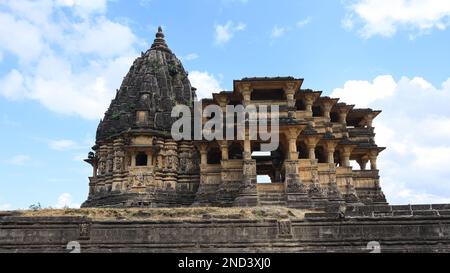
x=159 y=42
x=160 y=33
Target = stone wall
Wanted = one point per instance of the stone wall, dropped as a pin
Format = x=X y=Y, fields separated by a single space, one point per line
x=395 y=228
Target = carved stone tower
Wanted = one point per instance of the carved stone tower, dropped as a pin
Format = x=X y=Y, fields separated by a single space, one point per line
x=136 y=163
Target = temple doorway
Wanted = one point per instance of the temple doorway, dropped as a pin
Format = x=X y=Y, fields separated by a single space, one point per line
x=269 y=166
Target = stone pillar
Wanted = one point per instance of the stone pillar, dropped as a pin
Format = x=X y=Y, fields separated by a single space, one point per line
x=297 y=195
x=248 y=196
x=327 y=106
x=171 y=161
x=345 y=157
x=247 y=148
x=343 y=117
x=118 y=165
x=311 y=143
x=312 y=151
x=368 y=120
x=291 y=135
x=330 y=148
x=293 y=154
x=343 y=112
x=224 y=150
x=203 y=194
x=95 y=169
x=309 y=101
x=373 y=156
x=203 y=149
x=290 y=94
x=133 y=159
x=149 y=158
x=159 y=172
x=109 y=168
x=246 y=91
x=333 y=193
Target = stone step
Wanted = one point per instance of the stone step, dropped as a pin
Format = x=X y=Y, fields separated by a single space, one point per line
x=272 y=196
x=273 y=203
x=272 y=200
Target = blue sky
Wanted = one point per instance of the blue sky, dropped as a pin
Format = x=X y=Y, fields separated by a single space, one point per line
x=62 y=60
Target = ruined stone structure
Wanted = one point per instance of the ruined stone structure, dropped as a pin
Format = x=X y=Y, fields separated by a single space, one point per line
x=137 y=163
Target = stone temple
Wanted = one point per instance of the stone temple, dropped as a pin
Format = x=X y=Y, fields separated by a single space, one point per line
x=136 y=162
x=150 y=193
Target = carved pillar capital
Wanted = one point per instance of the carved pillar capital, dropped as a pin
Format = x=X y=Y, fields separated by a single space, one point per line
x=246 y=91
x=362 y=161
x=290 y=94
x=203 y=150
x=309 y=101
x=346 y=151
x=327 y=105
x=291 y=134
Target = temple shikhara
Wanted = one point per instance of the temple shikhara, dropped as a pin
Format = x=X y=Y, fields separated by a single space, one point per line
x=327 y=154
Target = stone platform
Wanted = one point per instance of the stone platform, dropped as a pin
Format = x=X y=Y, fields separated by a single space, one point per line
x=423 y=228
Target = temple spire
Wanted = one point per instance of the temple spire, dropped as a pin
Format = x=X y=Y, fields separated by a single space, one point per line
x=160 y=43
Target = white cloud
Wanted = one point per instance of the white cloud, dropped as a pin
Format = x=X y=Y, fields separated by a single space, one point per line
x=4 y=207
x=386 y=17
x=414 y=126
x=363 y=93
x=20 y=38
x=65 y=200
x=70 y=54
x=278 y=31
x=85 y=7
x=224 y=33
x=205 y=83
x=304 y=22
x=63 y=145
x=103 y=38
x=19 y=160
x=12 y=85
x=191 y=57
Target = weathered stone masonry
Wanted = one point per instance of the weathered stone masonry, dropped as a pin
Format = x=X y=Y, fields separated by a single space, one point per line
x=396 y=229
x=136 y=163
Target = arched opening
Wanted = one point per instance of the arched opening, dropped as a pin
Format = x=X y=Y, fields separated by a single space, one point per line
x=269 y=165
x=300 y=105
x=337 y=158
x=317 y=111
x=214 y=156
x=141 y=159
x=320 y=154
x=235 y=151
x=334 y=117
x=302 y=150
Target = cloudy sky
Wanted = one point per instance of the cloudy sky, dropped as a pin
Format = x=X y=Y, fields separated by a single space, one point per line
x=62 y=60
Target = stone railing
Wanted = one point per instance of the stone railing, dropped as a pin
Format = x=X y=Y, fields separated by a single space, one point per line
x=272 y=187
x=366 y=174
